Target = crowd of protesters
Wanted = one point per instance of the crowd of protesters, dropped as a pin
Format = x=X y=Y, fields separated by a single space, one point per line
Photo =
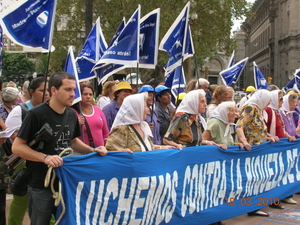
x=130 y=116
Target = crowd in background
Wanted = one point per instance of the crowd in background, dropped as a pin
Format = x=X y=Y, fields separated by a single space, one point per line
x=132 y=116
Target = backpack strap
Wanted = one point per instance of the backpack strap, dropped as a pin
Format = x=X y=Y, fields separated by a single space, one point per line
x=24 y=109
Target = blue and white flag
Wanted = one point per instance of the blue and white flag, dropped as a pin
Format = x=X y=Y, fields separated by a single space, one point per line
x=294 y=83
x=105 y=70
x=198 y=185
x=118 y=31
x=259 y=79
x=297 y=73
x=149 y=32
x=1 y=46
x=231 y=60
x=70 y=67
x=232 y=74
x=92 y=51
x=125 y=49
x=30 y=22
x=173 y=79
x=175 y=39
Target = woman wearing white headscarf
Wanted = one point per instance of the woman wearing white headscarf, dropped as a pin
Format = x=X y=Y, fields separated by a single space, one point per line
x=129 y=130
x=184 y=129
x=250 y=127
x=218 y=125
x=287 y=110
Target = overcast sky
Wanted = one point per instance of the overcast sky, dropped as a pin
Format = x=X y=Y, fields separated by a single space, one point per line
x=238 y=23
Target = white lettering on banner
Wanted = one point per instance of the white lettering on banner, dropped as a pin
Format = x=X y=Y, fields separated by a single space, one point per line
x=152 y=200
x=32 y=5
x=159 y=204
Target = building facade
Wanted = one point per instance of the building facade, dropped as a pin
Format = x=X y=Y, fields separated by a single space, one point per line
x=272 y=40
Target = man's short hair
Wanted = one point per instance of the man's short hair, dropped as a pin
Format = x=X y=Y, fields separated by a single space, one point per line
x=56 y=80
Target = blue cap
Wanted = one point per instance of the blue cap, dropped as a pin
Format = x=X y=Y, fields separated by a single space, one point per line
x=161 y=88
x=145 y=88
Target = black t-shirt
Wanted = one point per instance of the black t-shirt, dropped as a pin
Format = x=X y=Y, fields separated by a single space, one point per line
x=33 y=122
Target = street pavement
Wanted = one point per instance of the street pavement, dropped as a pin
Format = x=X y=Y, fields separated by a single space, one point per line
x=288 y=216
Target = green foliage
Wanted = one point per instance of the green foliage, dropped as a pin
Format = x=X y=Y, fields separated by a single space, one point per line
x=210 y=30
x=41 y=66
x=15 y=66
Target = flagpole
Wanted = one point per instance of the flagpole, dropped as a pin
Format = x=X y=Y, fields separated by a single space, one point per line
x=46 y=77
x=137 y=73
x=196 y=67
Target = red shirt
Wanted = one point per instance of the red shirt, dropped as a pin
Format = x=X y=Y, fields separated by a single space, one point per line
x=279 y=129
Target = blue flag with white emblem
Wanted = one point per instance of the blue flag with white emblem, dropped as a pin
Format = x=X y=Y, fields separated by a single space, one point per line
x=259 y=79
x=233 y=73
x=30 y=22
x=70 y=67
x=93 y=49
x=175 y=80
x=149 y=32
x=118 y=31
x=125 y=48
x=174 y=41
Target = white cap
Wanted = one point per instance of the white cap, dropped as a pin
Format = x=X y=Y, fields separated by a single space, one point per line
x=132 y=79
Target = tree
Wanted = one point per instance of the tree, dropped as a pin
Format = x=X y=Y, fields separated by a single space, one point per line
x=15 y=66
x=211 y=23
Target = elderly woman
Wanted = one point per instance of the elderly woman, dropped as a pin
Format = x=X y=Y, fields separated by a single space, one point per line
x=10 y=97
x=184 y=129
x=276 y=127
x=129 y=130
x=218 y=125
x=290 y=103
x=251 y=129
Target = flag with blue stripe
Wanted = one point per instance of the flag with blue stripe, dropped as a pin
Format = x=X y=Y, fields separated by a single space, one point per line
x=259 y=79
x=174 y=41
x=125 y=48
x=149 y=32
x=233 y=73
x=30 y=22
x=70 y=67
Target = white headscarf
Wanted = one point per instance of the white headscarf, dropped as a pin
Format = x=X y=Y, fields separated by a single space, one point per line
x=274 y=104
x=261 y=98
x=221 y=113
x=286 y=105
x=132 y=112
x=191 y=102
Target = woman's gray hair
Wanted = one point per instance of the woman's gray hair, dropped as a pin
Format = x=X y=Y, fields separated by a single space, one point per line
x=230 y=105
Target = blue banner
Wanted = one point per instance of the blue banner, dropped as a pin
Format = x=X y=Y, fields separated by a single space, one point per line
x=259 y=79
x=173 y=79
x=30 y=22
x=233 y=73
x=174 y=41
x=149 y=32
x=198 y=185
x=125 y=48
x=70 y=67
